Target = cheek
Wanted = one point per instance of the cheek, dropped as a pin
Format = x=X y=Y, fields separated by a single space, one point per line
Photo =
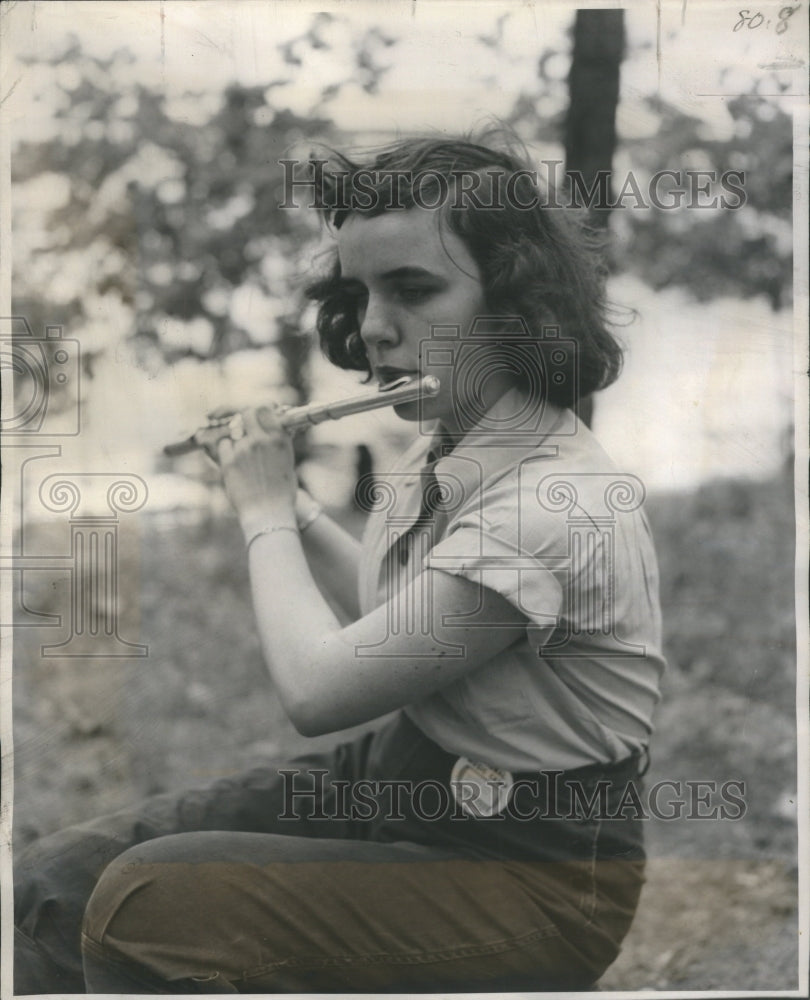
x=469 y=308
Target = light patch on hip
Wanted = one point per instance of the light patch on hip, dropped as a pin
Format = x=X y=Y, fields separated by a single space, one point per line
x=480 y=790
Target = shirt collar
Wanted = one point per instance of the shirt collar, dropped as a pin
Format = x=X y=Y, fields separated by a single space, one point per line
x=513 y=427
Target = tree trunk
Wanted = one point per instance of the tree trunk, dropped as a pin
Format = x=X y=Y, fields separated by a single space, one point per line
x=590 y=126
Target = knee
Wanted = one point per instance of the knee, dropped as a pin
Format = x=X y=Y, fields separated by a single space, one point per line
x=110 y=918
x=148 y=914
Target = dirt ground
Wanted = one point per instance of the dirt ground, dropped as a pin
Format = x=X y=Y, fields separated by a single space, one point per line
x=719 y=908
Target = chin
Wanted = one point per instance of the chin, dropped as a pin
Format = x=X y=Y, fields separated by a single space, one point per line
x=414 y=412
x=410 y=411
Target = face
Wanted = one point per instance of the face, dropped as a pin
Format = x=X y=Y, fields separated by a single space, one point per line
x=407 y=273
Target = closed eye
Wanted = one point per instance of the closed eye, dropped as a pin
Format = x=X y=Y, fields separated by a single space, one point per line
x=414 y=295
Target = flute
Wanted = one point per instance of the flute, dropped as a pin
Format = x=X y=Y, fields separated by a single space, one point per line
x=403 y=390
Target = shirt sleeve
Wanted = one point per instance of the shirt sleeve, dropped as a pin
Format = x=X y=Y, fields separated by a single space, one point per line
x=502 y=541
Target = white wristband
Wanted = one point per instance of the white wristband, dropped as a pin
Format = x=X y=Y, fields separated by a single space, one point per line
x=249 y=540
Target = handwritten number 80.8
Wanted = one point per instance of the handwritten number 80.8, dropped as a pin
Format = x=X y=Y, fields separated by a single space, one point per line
x=749 y=20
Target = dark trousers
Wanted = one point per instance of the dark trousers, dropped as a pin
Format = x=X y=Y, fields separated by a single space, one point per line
x=352 y=870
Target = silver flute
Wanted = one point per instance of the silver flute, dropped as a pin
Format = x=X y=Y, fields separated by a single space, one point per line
x=403 y=390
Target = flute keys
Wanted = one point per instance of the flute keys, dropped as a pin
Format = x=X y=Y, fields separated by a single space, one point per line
x=406 y=390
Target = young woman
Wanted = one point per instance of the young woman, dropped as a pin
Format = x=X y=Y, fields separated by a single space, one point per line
x=503 y=605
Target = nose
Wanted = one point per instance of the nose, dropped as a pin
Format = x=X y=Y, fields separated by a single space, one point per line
x=377 y=325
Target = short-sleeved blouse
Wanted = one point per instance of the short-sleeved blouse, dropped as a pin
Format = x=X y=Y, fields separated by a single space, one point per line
x=533 y=508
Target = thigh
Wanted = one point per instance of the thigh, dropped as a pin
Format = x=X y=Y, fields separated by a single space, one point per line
x=55 y=876
x=261 y=914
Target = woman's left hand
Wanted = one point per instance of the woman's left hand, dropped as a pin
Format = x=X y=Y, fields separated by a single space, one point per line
x=258 y=469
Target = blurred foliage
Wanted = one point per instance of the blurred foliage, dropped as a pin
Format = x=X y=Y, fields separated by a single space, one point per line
x=178 y=216
x=165 y=229
x=743 y=252
x=711 y=252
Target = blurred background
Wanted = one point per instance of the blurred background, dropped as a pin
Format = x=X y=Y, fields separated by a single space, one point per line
x=149 y=252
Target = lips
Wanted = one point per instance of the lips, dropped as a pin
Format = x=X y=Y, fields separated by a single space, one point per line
x=386 y=373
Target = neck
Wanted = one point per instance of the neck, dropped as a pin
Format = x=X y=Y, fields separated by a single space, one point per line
x=491 y=391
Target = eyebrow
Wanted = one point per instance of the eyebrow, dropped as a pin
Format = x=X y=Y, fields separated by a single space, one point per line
x=398 y=274
x=407 y=272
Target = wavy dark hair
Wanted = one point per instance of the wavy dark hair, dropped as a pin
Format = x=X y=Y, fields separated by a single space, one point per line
x=540 y=263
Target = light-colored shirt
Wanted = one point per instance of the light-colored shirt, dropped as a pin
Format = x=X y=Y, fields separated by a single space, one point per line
x=538 y=513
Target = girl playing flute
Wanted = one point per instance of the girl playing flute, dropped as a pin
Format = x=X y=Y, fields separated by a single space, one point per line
x=503 y=627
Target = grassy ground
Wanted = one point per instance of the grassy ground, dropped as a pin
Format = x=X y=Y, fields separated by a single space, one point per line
x=719 y=907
